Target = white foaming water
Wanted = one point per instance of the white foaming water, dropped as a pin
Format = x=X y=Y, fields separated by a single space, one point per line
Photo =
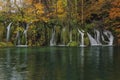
x=82 y=37
x=8 y=32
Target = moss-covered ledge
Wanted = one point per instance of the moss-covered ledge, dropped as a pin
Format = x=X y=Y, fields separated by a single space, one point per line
x=6 y=44
x=72 y=44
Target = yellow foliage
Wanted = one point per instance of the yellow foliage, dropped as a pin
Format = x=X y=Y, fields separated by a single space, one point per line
x=18 y=29
x=60 y=9
x=29 y=10
x=40 y=12
x=101 y=1
x=39 y=8
x=45 y=19
x=29 y=2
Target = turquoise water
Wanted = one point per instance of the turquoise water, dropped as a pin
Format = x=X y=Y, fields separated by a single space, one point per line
x=60 y=63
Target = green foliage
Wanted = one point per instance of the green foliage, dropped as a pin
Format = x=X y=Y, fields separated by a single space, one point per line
x=2 y=18
x=89 y=26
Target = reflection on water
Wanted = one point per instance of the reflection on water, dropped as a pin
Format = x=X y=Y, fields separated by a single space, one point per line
x=60 y=63
x=11 y=67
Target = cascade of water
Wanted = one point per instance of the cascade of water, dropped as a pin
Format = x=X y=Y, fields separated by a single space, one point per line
x=70 y=36
x=97 y=37
x=109 y=36
x=82 y=37
x=25 y=33
x=92 y=40
x=52 y=40
x=8 y=32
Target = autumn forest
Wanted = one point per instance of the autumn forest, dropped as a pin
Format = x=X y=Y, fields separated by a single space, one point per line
x=36 y=22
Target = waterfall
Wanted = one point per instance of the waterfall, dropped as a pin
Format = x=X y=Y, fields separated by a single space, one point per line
x=82 y=37
x=97 y=37
x=110 y=37
x=8 y=32
x=70 y=36
x=96 y=40
x=25 y=33
x=52 y=40
x=92 y=40
x=18 y=37
x=63 y=36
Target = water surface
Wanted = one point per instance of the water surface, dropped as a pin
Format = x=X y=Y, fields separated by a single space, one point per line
x=60 y=63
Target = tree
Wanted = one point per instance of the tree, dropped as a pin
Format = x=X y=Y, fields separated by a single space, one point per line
x=114 y=15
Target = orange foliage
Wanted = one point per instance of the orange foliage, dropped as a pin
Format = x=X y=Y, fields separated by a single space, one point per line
x=115 y=10
x=34 y=11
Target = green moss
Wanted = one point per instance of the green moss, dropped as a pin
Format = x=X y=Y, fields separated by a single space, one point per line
x=9 y=44
x=87 y=41
x=73 y=43
x=6 y=44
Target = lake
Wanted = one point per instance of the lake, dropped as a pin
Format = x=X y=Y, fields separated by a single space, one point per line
x=60 y=63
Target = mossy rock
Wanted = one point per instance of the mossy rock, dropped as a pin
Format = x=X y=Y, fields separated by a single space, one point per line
x=73 y=43
x=2 y=44
x=6 y=44
x=87 y=42
x=9 y=44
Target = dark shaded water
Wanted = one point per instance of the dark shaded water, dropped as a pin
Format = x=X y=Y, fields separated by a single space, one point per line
x=60 y=63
